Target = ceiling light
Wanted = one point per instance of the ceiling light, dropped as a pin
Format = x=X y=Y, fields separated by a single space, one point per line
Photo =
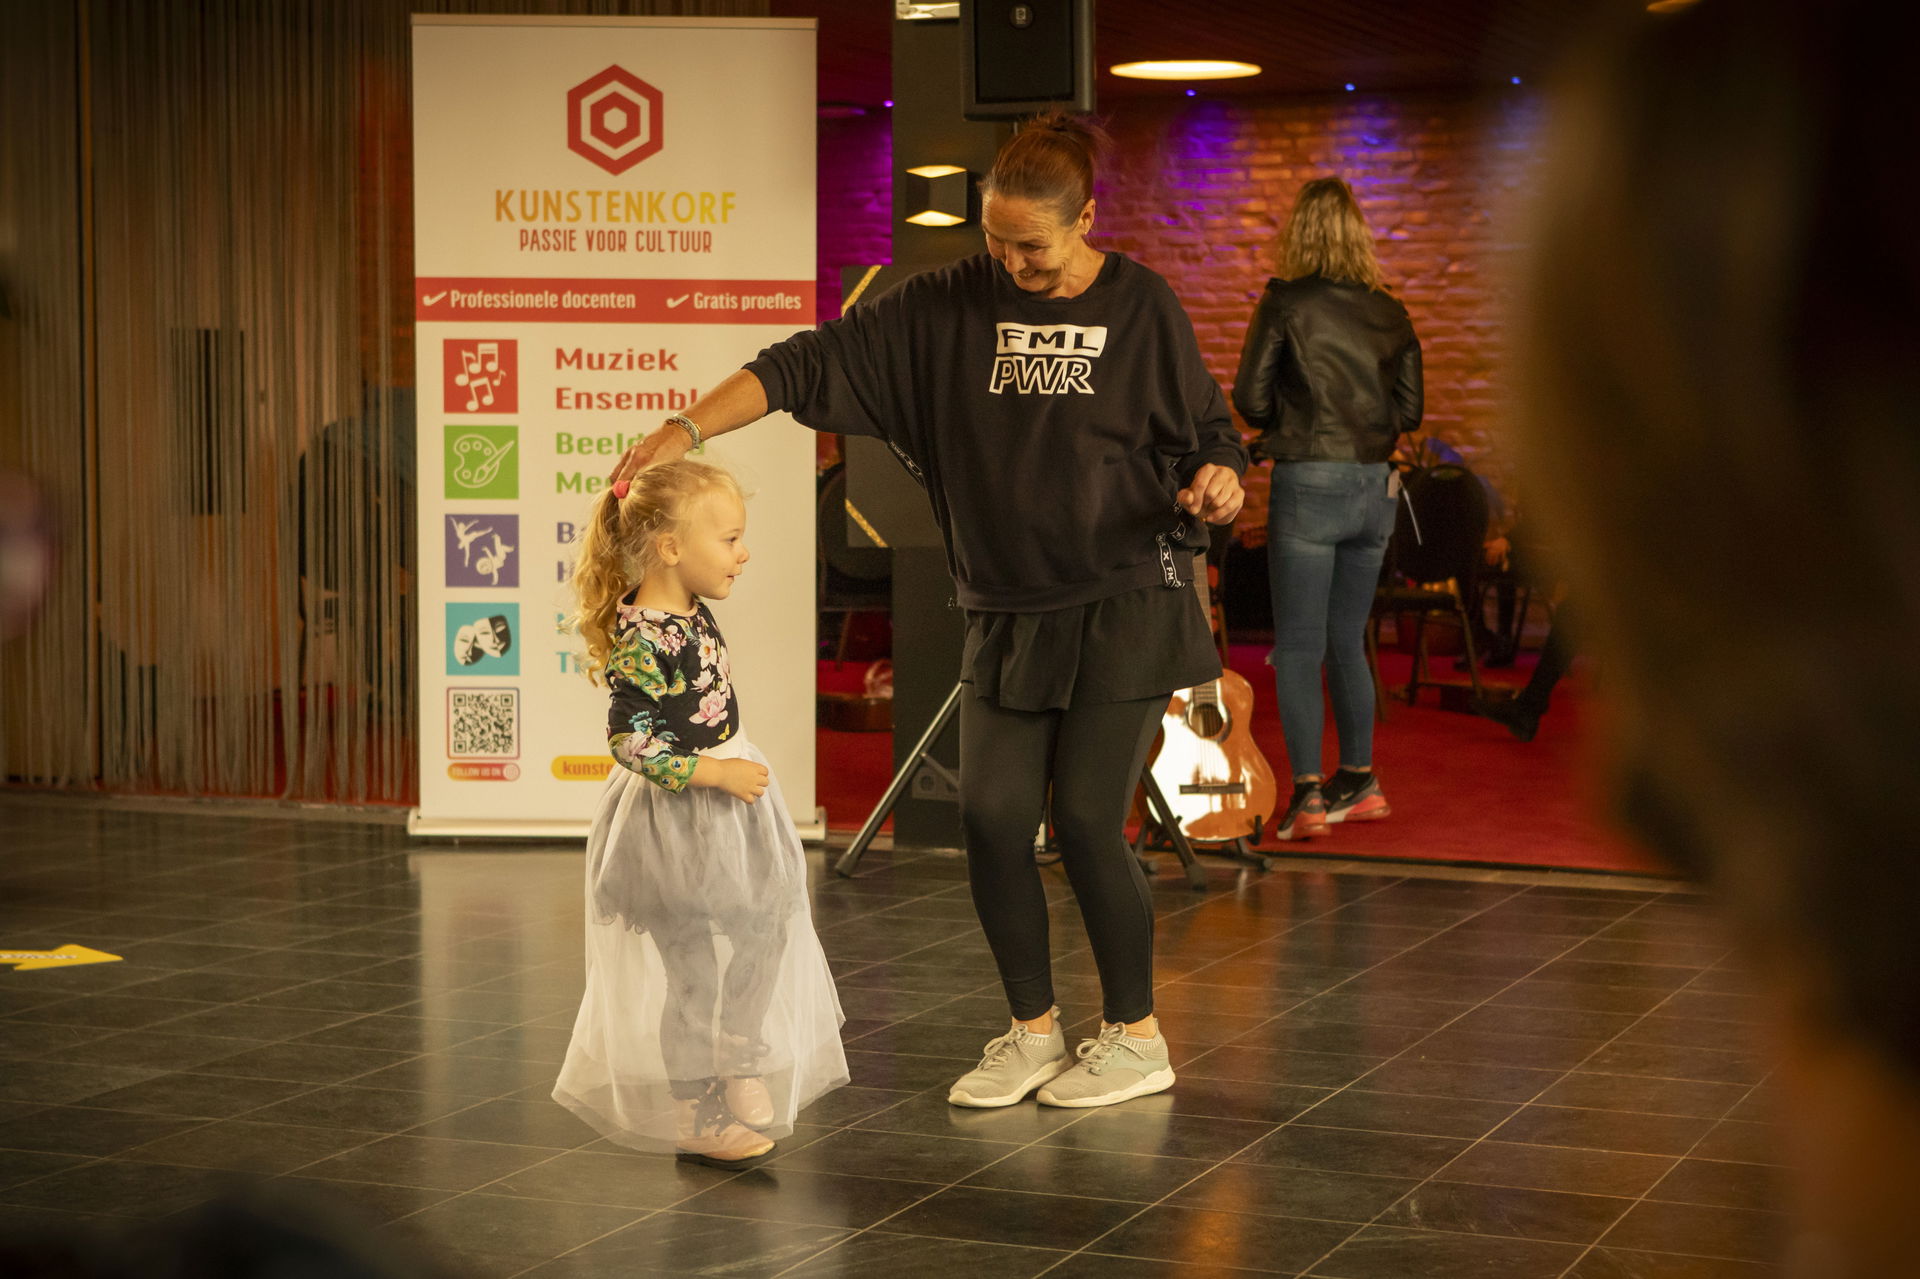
x=1197 y=69
x=1669 y=6
x=935 y=170
x=933 y=217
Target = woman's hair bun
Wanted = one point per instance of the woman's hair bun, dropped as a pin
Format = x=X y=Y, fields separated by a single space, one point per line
x=1052 y=160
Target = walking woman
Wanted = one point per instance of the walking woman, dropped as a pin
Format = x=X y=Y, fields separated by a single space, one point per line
x=1053 y=399
x=1330 y=377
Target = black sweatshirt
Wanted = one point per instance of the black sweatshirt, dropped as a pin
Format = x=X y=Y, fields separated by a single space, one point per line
x=1051 y=433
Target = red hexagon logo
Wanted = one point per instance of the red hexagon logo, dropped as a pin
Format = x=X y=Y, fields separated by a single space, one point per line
x=613 y=119
x=615 y=122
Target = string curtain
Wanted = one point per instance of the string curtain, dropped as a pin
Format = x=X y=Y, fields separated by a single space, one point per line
x=207 y=368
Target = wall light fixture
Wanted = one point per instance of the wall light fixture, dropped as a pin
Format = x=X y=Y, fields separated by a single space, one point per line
x=940 y=195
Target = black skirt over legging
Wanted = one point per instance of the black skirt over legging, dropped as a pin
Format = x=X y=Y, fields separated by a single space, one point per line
x=1069 y=700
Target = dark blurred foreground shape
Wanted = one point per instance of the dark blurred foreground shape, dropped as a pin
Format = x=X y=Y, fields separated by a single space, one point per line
x=1719 y=411
x=253 y=1231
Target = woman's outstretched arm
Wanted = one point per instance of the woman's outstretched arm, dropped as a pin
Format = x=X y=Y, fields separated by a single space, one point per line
x=736 y=402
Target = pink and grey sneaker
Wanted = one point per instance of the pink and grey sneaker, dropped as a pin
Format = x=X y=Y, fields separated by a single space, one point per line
x=1306 y=815
x=1353 y=796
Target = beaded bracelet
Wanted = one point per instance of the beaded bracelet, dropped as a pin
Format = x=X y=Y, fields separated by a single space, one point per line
x=688 y=425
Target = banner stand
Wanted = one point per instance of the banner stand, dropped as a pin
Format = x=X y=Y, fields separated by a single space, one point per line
x=456 y=828
x=599 y=237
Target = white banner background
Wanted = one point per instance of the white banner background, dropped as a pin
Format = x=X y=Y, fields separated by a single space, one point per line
x=684 y=265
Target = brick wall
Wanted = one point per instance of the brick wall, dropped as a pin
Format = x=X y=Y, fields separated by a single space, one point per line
x=855 y=200
x=1199 y=190
x=855 y=211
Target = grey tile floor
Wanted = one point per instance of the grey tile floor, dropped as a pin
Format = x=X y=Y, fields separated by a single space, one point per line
x=1384 y=1073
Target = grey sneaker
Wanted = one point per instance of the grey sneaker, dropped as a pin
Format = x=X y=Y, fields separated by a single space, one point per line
x=1115 y=1067
x=1012 y=1066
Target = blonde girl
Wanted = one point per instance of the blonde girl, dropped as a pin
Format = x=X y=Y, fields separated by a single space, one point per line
x=709 y=1017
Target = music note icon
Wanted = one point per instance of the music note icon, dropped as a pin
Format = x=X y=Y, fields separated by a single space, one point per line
x=480 y=376
x=474 y=377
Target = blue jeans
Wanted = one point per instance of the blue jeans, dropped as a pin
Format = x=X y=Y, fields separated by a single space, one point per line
x=1327 y=530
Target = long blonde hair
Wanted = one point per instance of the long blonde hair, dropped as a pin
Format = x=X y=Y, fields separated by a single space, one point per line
x=1326 y=234
x=620 y=545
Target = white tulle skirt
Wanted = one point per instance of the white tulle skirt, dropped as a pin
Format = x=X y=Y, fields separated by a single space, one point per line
x=702 y=960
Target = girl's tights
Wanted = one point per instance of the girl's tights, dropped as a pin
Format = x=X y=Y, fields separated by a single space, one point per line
x=696 y=985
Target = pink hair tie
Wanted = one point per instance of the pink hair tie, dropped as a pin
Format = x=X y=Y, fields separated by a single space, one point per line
x=620 y=490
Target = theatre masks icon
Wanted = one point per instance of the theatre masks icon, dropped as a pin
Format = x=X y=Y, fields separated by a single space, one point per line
x=482 y=637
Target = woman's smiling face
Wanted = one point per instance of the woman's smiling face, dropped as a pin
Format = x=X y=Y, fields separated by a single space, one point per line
x=1027 y=239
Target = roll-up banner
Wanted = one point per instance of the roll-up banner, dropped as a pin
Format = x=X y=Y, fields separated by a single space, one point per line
x=610 y=216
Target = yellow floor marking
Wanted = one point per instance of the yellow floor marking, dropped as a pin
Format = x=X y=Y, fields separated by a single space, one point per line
x=68 y=956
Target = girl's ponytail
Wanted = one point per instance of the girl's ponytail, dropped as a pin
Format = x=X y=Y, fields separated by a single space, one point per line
x=600 y=578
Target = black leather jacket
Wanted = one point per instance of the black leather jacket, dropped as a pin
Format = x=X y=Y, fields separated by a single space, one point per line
x=1330 y=372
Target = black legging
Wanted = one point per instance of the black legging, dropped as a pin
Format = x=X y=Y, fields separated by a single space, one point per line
x=1091 y=756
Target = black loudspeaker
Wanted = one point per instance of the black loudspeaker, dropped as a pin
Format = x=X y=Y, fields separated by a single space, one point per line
x=1023 y=56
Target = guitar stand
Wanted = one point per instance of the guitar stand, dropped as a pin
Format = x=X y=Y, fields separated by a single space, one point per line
x=850 y=859
x=1161 y=818
x=1161 y=814
x=1046 y=851
x=1154 y=834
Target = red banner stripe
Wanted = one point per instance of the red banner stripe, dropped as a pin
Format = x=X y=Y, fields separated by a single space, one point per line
x=778 y=302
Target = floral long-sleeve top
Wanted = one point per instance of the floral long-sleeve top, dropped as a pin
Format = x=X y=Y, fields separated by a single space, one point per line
x=672 y=695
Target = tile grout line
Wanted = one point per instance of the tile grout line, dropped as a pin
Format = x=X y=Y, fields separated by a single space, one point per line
x=1428 y=1179
x=841 y=1128
x=1144 y=1208
x=379 y=893
x=1036 y=1141
x=1642 y=1196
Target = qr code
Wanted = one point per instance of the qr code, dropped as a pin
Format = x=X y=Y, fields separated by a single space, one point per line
x=483 y=723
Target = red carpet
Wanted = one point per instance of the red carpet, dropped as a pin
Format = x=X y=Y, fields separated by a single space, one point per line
x=1462 y=788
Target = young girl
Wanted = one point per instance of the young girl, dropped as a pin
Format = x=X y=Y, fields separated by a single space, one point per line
x=709 y=1017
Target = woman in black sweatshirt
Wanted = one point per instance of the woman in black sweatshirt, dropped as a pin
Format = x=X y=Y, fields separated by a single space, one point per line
x=1053 y=400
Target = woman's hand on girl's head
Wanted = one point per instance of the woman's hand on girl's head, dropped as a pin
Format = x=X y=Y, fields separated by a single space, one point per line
x=668 y=443
x=1214 y=495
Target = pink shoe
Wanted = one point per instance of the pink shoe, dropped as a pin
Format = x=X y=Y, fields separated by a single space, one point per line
x=749 y=1100
x=708 y=1134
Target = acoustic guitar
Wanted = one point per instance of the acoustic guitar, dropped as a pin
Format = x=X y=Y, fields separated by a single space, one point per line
x=1218 y=784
